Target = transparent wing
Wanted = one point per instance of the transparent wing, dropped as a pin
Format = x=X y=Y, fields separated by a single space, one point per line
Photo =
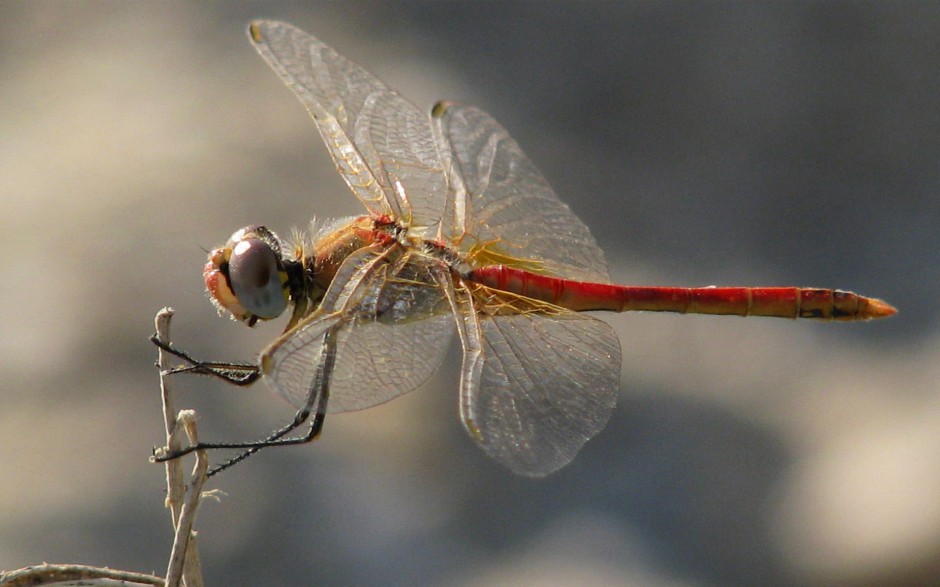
x=393 y=328
x=541 y=386
x=381 y=143
x=502 y=203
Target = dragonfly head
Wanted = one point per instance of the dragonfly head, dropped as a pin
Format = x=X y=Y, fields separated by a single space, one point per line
x=247 y=278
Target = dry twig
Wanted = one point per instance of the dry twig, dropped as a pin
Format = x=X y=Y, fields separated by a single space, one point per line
x=62 y=575
x=184 y=558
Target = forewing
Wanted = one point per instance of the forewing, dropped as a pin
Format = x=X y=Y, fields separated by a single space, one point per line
x=381 y=143
x=393 y=328
x=547 y=385
x=500 y=197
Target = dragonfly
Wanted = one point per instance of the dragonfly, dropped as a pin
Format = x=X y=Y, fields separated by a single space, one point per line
x=462 y=236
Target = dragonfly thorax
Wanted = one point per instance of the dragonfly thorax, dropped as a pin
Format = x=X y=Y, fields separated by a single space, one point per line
x=255 y=276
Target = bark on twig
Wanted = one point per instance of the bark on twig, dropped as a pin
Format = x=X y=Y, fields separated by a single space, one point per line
x=184 y=558
x=47 y=574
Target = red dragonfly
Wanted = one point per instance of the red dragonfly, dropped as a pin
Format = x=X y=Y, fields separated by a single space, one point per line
x=462 y=235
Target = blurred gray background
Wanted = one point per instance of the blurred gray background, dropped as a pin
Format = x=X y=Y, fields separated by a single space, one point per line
x=703 y=143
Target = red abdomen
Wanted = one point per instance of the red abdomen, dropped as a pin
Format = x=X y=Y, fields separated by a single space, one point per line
x=783 y=302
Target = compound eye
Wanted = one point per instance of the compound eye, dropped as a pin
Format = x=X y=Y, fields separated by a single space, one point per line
x=255 y=275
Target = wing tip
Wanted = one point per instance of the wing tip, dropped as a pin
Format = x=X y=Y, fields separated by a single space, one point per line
x=440 y=108
x=258 y=28
x=254 y=31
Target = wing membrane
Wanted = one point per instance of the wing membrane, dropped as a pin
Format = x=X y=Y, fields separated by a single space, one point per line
x=546 y=386
x=381 y=143
x=501 y=197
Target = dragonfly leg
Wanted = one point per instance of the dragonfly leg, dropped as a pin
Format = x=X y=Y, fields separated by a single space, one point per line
x=276 y=438
x=241 y=374
x=317 y=395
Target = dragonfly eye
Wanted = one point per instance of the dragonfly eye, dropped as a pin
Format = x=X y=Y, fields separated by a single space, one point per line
x=257 y=278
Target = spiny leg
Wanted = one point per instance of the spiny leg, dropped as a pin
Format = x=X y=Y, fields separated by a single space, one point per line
x=241 y=374
x=275 y=439
x=318 y=394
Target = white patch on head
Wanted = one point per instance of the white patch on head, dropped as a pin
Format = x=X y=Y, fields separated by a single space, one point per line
x=240 y=247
